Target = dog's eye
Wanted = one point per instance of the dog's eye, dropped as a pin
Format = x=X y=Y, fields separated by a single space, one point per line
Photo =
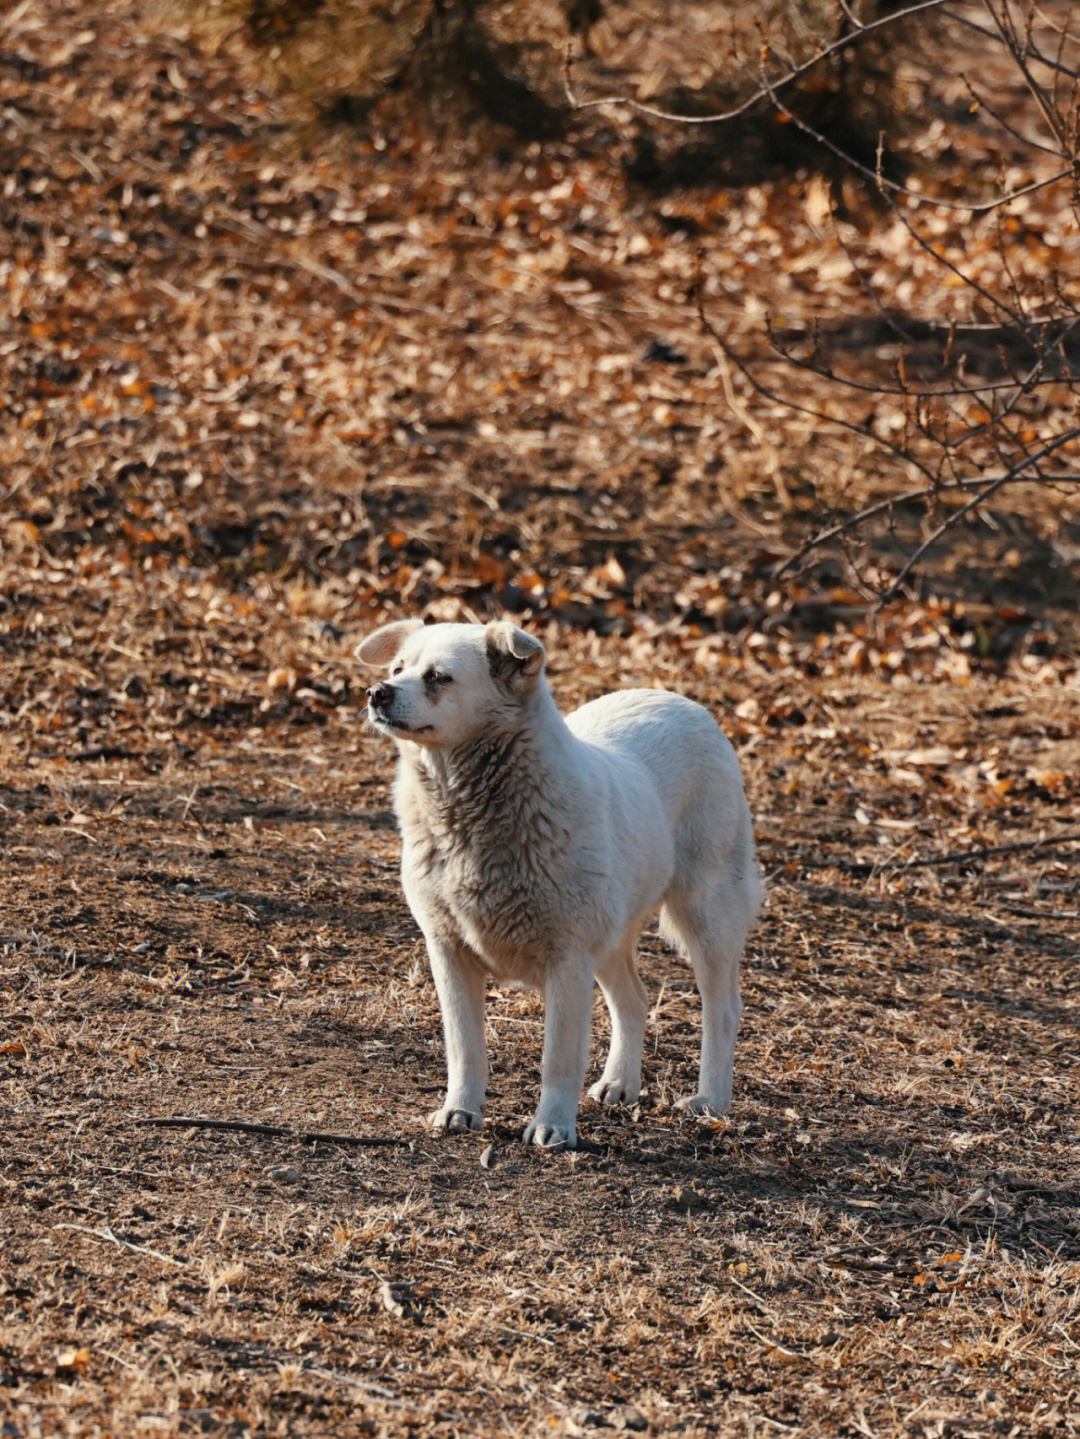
x=437 y=677
x=396 y=669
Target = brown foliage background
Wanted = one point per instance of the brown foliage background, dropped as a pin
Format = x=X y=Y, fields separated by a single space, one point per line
x=261 y=392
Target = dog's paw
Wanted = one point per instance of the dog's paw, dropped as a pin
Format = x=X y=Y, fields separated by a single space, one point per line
x=550 y=1136
x=456 y=1121
x=611 y=1092
x=701 y=1104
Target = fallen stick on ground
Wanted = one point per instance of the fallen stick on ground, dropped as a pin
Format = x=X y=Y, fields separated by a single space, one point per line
x=273 y=1131
x=956 y=856
x=109 y=1237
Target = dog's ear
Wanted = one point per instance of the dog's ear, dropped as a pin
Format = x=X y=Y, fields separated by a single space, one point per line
x=515 y=658
x=380 y=648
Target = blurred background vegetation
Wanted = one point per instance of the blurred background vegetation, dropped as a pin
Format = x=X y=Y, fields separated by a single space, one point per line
x=515 y=62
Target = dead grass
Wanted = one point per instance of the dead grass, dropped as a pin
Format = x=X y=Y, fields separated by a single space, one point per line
x=882 y=1233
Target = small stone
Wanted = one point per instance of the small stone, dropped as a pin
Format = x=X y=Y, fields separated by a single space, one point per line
x=396 y=1299
x=688 y=1200
x=285 y=1174
x=627 y=1417
x=591 y=1419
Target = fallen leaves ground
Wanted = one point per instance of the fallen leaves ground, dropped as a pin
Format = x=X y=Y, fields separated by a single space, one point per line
x=260 y=395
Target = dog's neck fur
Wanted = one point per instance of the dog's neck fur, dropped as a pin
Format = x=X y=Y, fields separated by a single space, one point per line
x=485 y=789
x=464 y=814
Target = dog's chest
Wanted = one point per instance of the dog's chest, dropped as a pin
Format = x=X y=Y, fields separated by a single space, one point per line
x=493 y=898
x=487 y=877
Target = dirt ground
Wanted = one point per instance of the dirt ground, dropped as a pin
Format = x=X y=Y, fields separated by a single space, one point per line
x=261 y=394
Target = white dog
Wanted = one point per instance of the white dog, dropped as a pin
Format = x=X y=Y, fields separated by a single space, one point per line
x=535 y=846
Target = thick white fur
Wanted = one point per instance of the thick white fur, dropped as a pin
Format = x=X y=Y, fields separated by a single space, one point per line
x=535 y=846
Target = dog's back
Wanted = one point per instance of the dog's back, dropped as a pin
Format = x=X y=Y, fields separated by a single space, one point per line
x=694 y=767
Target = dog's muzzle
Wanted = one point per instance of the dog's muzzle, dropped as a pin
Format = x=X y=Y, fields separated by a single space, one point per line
x=381 y=699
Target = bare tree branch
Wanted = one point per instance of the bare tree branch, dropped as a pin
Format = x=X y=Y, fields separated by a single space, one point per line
x=893 y=187
x=989 y=487
x=769 y=394
x=769 y=90
x=1006 y=28
x=1032 y=341
x=794 y=73
x=1030 y=50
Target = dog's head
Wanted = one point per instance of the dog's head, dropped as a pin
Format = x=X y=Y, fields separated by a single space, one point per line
x=448 y=684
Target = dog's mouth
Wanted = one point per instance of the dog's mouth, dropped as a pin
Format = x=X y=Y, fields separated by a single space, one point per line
x=382 y=721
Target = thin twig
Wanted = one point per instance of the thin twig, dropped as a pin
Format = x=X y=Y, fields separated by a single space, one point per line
x=1027 y=911
x=1006 y=28
x=1027 y=384
x=951 y=519
x=1006 y=125
x=767 y=90
x=852 y=522
x=769 y=1314
x=1056 y=65
x=956 y=856
x=868 y=512
x=362 y=1386
x=755 y=384
x=272 y=1131
x=1020 y=319
x=1014 y=473
x=986 y=485
x=110 y=1238
x=884 y=184
x=794 y=73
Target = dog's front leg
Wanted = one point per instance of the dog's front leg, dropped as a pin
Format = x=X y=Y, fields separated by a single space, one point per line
x=459 y=983
x=568 y=990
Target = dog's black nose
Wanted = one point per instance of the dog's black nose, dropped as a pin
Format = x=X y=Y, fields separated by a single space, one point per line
x=381 y=696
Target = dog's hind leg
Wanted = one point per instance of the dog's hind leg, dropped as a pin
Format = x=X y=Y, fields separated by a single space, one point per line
x=628 y=1006
x=711 y=930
